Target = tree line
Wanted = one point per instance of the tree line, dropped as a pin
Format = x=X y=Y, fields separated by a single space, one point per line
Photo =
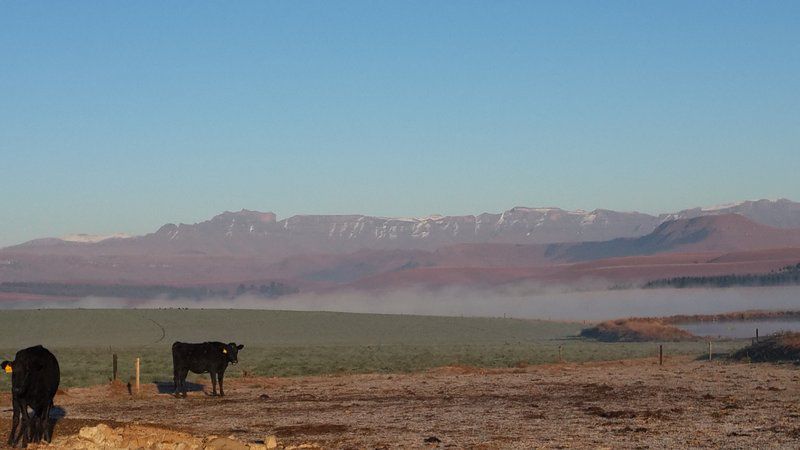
x=789 y=275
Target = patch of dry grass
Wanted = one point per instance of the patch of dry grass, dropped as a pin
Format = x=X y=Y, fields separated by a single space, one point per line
x=636 y=330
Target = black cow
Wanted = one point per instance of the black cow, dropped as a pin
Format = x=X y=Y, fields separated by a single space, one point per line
x=34 y=381
x=211 y=357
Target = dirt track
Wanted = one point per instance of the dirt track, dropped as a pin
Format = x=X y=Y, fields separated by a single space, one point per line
x=624 y=404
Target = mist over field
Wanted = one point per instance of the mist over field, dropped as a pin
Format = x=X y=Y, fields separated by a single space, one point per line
x=523 y=301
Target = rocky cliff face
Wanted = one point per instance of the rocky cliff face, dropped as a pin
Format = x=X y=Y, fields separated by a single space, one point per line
x=247 y=232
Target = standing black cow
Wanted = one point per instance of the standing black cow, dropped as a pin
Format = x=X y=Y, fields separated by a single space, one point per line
x=211 y=357
x=34 y=381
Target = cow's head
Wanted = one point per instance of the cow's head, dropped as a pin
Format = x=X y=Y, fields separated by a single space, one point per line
x=19 y=376
x=231 y=351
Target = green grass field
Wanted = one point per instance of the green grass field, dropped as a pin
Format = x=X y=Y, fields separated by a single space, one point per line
x=284 y=343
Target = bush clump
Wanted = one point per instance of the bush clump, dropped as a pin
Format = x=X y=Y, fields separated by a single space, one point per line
x=636 y=330
x=778 y=347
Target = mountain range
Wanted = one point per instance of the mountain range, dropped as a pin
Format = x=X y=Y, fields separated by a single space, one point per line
x=316 y=252
x=252 y=233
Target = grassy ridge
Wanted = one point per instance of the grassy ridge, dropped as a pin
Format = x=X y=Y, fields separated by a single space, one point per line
x=283 y=343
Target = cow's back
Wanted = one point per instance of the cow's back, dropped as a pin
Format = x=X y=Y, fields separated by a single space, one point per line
x=184 y=350
x=202 y=357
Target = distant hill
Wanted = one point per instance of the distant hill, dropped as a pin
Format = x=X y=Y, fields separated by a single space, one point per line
x=721 y=233
x=703 y=246
x=781 y=213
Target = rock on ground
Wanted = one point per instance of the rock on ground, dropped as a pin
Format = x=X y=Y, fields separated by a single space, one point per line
x=103 y=437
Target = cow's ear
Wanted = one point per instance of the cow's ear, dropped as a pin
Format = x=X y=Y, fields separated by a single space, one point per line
x=6 y=366
x=240 y=346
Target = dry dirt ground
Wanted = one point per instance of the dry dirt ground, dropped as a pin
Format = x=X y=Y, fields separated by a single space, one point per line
x=622 y=404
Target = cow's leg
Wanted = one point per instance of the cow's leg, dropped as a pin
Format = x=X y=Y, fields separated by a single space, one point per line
x=176 y=379
x=221 y=375
x=47 y=431
x=50 y=425
x=34 y=424
x=182 y=376
x=213 y=383
x=36 y=435
x=25 y=426
x=14 y=422
x=38 y=421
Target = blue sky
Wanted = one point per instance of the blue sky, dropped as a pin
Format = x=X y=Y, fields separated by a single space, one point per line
x=121 y=116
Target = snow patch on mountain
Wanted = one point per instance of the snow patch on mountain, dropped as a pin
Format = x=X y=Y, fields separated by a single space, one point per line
x=93 y=238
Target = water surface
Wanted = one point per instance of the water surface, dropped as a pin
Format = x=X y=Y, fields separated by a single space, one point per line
x=741 y=329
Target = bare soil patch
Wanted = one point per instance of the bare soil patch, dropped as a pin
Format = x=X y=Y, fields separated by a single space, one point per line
x=310 y=429
x=624 y=404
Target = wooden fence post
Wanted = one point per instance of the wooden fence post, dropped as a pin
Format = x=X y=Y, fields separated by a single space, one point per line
x=560 y=354
x=709 y=350
x=114 y=367
x=137 y=375
x=756 y=334
x=660 y=354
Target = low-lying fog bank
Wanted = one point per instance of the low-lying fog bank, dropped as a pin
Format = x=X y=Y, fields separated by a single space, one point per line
x=519 y=302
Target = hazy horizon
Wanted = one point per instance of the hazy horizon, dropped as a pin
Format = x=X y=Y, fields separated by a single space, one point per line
x=523 y=301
